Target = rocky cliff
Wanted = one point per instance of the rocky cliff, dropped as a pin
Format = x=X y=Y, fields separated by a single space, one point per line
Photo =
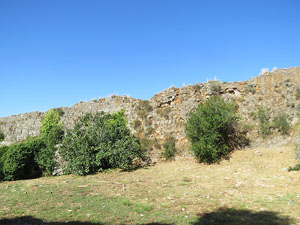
x=165 y=113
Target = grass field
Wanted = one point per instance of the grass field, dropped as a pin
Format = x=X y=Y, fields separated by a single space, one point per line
x=253 y=187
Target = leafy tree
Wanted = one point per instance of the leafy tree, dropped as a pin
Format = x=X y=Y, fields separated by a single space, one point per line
x=98 y=142
x=51 y=133
x=210 y=128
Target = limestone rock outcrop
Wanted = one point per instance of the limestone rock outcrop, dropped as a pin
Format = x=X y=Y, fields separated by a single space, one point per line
x=166 y=113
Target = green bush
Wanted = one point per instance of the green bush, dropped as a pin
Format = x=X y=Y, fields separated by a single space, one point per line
x=210 y=128
x=294 y=168
x=263 y=116
x=51 y=134
x=98 y=142
x=1 y=136
x=19 y=160
x=51 y=129
x=3 y=150
x=169 y=148
x=281 y=123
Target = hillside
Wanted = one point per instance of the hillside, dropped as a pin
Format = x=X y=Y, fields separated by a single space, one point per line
x=165 y=113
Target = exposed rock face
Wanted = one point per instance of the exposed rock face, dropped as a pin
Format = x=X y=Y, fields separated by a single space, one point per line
x=166 y=113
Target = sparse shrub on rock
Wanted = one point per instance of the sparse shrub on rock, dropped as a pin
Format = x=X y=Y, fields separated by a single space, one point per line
x=281 y=123
x=1 y=136
x=214 y=87
x=263 y=116
x=100 y=141
x=210 y=128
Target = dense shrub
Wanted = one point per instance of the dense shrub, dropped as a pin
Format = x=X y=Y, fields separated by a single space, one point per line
x=51 y=129
x=3 y=149
x=210 y=128
x=51 y=134
x=19 y=160
x=281 y=123
x=169 y=148
x=98 y=142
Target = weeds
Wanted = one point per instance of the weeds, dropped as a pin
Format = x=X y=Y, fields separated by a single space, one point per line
x=294 y=168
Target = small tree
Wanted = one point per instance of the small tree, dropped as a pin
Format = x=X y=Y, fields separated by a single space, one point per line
x=51 y=134
x=210 y=127
x=98 y=142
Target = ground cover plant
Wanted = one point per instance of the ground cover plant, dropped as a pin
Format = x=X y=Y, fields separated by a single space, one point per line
x=239 y=191
x=210 y=127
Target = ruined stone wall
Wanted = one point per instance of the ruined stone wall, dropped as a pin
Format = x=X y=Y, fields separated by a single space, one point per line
x=166 y=113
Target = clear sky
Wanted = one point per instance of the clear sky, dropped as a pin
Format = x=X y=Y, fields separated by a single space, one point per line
x=55 y=53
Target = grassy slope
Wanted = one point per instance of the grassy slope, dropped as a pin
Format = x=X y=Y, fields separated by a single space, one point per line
x=252 y=188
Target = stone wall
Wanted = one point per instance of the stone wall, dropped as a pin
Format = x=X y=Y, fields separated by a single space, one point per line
x=166 y=113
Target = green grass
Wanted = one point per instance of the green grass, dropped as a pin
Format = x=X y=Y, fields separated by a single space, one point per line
x=62 y=202
x=177 y=192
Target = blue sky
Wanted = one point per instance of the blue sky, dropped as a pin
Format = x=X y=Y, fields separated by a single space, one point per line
x=57 y=52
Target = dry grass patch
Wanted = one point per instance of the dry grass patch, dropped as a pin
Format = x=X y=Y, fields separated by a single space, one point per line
x=255 y=183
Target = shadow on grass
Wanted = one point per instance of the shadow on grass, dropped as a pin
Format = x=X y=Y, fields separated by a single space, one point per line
x=230 y=216
x=29 y=220
x=222 y=216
